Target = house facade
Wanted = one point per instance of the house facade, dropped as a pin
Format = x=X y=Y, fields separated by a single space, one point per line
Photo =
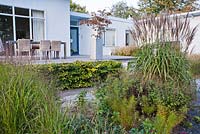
x=36 y=20
x=117 y=34
x=52 y=20
x=195 y=21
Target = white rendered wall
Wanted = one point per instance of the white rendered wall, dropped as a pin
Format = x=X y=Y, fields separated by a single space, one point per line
x=195 y=46
x=120 y=26
x=85 y=40
x=57 y=17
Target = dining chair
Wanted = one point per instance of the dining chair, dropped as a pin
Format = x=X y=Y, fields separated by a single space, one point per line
x=56 y=47
x=23 y=45
x=45 y=48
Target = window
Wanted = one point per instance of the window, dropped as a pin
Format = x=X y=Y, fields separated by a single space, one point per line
x=129 y=39
x=22 y=28
x=110 y=37
x=28 y=25
x=74 y=23
x=6 y=28
x=5 y=9
x=21 y=11
x=38 y=25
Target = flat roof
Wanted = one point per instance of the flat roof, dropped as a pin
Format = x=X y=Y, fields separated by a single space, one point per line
x=79 y=16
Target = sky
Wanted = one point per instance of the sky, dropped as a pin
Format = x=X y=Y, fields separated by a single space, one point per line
x=95 y=5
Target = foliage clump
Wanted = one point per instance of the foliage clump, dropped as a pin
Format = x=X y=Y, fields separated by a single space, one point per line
x=158 y=91
x=79 y=74
x=160 y=62
x=28 y=104
x=173 y=6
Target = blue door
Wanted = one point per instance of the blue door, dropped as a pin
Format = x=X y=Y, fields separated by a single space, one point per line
x=74 y=40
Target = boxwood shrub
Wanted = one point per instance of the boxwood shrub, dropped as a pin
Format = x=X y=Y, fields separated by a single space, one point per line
x=80 y=74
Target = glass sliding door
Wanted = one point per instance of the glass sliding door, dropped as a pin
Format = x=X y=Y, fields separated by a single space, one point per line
x=22 y=23
x=28 y=23
x=38 y=25
x=6 y=28
x=74 y=41
x=22 y=28
x=6 y=23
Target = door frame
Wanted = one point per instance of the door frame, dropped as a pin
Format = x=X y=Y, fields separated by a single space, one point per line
x=76 y=28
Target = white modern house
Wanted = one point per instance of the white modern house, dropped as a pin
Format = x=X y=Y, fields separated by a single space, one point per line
x=52 y=20
x=36 y=20
x=117 y=34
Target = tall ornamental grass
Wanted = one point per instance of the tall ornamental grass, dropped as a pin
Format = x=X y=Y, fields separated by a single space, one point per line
x=165 y=28
x=164 y=64
x=27 y=102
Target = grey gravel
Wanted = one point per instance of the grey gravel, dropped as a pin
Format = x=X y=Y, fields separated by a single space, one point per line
x=69 y=97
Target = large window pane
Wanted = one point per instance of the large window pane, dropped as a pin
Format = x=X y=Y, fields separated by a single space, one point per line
x=38 y=29
x=110 y=37
x=5 y=9
x=6 y=28
x=38 y=25
x=21 y=11
x=129 y=38
x=22 y=28
x=37 y=13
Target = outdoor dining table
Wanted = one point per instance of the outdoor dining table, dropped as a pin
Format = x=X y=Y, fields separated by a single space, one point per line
x=35 y=45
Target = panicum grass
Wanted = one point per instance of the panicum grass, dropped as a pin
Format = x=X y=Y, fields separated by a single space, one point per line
x=27 y=102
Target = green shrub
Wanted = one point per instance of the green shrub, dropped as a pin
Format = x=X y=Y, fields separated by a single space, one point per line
x=197 y=119
x=128 y=101
x=85 y=118
x=80 y=124
x=166 y=120
x=27 y=102
x=116 y=101
x=80 y=74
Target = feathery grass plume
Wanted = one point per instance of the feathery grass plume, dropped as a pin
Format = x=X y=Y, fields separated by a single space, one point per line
x=162 y=29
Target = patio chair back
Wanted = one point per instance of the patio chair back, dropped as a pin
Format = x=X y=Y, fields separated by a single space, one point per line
x=56 y=46
x=45 y=45
x=24 y=44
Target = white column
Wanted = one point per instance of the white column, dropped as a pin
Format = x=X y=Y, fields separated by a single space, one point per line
x=96 y=48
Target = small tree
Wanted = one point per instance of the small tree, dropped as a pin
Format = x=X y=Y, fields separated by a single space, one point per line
x=173 y=6
x=122 y=10
x=77 y=8
x=99 y=21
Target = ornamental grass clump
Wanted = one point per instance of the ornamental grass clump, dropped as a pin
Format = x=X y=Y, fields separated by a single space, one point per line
x=28 y=104
x=163 y=63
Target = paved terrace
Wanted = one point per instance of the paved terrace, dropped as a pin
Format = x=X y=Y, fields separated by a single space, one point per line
x=83 y=58
x=123 y=59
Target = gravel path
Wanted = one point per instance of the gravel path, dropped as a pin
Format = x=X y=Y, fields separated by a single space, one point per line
x=69 y=97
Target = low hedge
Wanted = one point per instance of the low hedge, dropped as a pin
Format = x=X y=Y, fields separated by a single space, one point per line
x=80 y=74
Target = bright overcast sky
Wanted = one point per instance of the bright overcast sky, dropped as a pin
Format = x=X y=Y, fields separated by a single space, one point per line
x=94 y=5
